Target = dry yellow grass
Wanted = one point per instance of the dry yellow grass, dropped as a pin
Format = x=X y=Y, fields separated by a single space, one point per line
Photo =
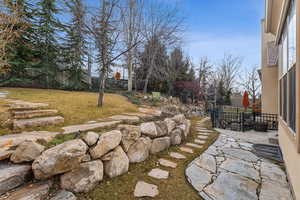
x=75 y=107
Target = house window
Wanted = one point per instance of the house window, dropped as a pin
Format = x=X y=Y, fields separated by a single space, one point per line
x=287 y=71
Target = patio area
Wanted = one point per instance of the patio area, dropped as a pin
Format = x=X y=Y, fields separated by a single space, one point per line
x=228 y=170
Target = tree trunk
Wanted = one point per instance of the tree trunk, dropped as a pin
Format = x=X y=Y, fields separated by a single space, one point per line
x=130 y=77
x=101 y=89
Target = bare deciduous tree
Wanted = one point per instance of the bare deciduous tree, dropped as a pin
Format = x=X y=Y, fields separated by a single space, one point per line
x=12 y=24
x=162 y=23
x=132 y=15
x=252 y=84
x=105 y=29
x=228 y=70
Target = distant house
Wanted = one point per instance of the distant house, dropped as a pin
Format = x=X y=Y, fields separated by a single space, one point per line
x=280 y=76
x=236 y=99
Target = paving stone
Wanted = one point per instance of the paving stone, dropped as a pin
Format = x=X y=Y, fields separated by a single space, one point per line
x=36 y=122
x=177 y=155
x=242 y=168
x=246 y=146
x=212 y=150
x=167 y=163
x=197 y=177
x=273 y=172
x=89 y=127
x=200 y=141
x=143 y=189
x=240 y=154
x=158 y=173
x=207 y=162
x=194 y=145
x=271 y=190
x=229 y=186
x=186 y=149
x=205 y=134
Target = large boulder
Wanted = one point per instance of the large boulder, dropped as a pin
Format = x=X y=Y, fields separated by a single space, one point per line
x=84 y=178
x=35 y=191
x=91 y=138
x=116 y=162
x=64 y=195
x=160 y=144
x=130 y=135
x=59 y=159
x=162 y=129
x=179 y=119
x=27 y=151
x=107 y=142
x=176 y=137
x=171 y=124
x=149 y=129
x=139 y=151
x=12 y=176
x=185 y=127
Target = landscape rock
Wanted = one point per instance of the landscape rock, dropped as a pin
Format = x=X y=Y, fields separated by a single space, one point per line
x=84 y=178
x=116 y=162
x=36 y=122
x=160 y=144
x=64 y=195
x=107 y=141
x=35 y=191
x=5 y=154
x=143 y=189
x=179 y=119
x=130 y=135
x=229 y=186
x=158 y=173
x=91 y=138
x=12 y=176
x=176 y=137
x=171 y=124
x=27 y=151
x=197 y=177
x=59 y=159
x=149 y=129
x=139 y=151
x=162 y=129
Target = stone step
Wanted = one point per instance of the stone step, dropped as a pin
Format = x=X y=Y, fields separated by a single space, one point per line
x=177 y=155
x=158 y=173
x=202 y=137
x=36 y=122
x=27 y=106
x=143 y=116
x=196 y=146
x=33 y=113
x=13 y=140
x=90 y=126
x=200 y=141
x=143 y=189
x=186 y=150
x=167 y=163
x=125 y=119
x=206 y=134
x=12 y=176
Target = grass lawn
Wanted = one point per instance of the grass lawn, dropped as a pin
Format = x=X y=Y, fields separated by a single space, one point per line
x=174 y=188
x=75 y=107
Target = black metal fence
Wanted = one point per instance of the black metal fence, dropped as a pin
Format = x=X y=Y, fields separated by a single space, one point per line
x=240 y=121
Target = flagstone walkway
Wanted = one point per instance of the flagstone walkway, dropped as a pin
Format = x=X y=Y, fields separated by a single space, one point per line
x=228 y=170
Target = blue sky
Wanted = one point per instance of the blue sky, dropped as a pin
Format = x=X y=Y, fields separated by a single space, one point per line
x=215 y=27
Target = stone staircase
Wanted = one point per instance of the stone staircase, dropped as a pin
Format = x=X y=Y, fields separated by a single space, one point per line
x=29 y=115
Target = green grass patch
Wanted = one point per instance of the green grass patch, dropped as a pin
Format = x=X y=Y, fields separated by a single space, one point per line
x=173 y=188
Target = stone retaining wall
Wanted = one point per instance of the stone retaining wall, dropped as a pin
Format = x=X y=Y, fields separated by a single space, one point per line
x=81 y=163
